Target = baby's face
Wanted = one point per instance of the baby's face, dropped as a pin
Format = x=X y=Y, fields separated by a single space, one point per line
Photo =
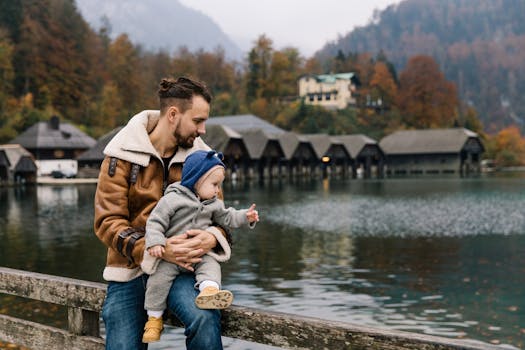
x=211 y=185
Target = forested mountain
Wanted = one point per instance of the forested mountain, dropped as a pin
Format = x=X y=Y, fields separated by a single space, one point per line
x=158 y=24
x=479 y=45
x=53 y=63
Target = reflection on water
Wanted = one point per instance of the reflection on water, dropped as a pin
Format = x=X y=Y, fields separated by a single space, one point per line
x=442 y=257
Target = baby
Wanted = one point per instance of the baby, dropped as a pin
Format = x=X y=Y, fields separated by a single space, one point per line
x=191 y=203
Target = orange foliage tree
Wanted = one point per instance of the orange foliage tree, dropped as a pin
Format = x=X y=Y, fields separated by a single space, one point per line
x=508 y=147
x=125 y=73
x=426 y=98
x=382 y=85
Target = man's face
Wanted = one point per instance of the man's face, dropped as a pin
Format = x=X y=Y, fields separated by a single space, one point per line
x=191 y=123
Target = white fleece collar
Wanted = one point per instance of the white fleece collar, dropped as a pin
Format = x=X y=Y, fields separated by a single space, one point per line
x=132 y=142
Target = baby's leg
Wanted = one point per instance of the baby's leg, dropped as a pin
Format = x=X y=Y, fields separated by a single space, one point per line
x=157 y=289
x=159 y=285
x=208 y=277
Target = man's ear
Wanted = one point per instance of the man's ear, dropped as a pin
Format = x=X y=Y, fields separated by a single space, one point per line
x=173 y=111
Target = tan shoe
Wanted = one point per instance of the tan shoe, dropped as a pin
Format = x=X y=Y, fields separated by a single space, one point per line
x=212 y=298
x=152 y=330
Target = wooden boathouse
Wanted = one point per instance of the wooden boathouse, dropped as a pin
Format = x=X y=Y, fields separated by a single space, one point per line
x=433 y=151
x=228 y=141
x=331 y=153
x=89 y=161
x=261 y=139
x=17 y=165
x=366 y=155
x=255 y=148
x=299 y=154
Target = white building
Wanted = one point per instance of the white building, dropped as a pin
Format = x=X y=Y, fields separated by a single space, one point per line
x=336 y=91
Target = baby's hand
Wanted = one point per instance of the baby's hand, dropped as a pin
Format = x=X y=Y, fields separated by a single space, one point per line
x=156 y=251
x=252 y=215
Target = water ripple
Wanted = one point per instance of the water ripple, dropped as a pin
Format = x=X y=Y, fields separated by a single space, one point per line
x=436 y=215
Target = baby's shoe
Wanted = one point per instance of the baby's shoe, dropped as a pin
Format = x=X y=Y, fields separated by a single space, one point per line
x=152 y=329
x=213 y=298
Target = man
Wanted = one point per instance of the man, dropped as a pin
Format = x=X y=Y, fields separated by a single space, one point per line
x=141 y=160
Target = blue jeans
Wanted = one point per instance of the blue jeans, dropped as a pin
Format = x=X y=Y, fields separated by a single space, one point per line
x=124 y=315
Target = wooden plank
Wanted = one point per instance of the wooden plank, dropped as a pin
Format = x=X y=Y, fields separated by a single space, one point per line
x=83 y=322
x=85 y=299
x=298 y=332
x=53 y=289
x=37 y=336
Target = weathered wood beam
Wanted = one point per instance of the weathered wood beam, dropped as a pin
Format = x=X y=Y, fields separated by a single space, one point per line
x=84 y=301
x=37 y=336
x=299 y=332
x=83 y=322
x=53 y=289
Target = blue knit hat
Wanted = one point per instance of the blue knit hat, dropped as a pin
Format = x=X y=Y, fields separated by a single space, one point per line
x=197 y=164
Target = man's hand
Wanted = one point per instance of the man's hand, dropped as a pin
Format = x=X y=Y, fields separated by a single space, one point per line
x=188 y=248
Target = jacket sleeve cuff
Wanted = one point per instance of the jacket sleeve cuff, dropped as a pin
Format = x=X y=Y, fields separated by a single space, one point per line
x=154 y=239
x=130 y=244
x=224 y=253
x=149 y=263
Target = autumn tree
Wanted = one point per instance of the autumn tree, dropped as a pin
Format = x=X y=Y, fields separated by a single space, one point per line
x=154 y=67
x=284 y=70
x=7 y=73
x=259 y=60
x=222 y=78
x=507 y=147
x=383 y=86
x=468 y=119
x=124 y=68
x=184 y=63
x=426 y=98
x=312 y=66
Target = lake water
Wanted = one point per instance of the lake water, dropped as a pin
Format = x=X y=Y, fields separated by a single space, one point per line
x=436 y=256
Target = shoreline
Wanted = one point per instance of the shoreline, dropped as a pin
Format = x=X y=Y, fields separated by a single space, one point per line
x=48 y=180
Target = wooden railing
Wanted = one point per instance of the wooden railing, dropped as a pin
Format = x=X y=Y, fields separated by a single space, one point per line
x=84 y=302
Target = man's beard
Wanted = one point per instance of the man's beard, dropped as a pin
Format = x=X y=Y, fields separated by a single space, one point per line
x=183 y=141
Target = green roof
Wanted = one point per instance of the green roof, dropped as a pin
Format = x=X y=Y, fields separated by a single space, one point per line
x=331 y=78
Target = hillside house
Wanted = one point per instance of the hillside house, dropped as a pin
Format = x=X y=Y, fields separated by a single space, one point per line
x=433 y=151
x=55 y=146
x=333 y=91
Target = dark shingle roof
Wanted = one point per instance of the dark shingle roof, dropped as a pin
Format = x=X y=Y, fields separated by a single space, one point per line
x=218 y=136
x=245 y=122
x=426 y=141
x=256 y=141
x=26 y=165
x=19 y=158
x=4 y=161
x=355 y=143
x=95 y=153
x=320 y=142
x=289 y=142
x=42 y=135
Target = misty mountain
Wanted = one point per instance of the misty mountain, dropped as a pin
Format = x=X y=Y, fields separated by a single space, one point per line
x=480 y=45
x=159 y=24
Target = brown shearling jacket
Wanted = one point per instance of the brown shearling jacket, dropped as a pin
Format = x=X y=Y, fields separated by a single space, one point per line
x=130 y=183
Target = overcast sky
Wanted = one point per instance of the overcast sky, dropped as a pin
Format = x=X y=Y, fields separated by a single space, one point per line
x=304 y=24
